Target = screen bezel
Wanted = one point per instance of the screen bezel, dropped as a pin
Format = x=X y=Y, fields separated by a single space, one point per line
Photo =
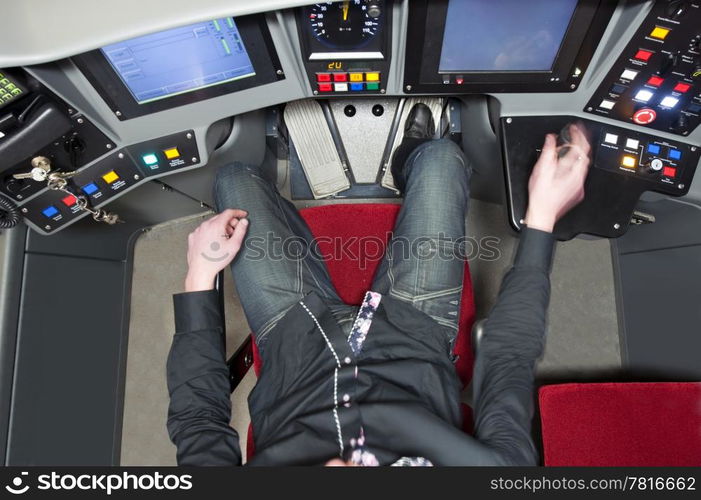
x=259 y=45
x=427 y=21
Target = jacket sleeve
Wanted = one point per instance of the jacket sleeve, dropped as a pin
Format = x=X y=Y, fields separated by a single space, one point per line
x=198 y=384
x=512 y=342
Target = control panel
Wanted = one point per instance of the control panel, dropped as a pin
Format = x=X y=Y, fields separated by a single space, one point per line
x=345 y=46
x=109 y=177
x=624 y=165
x=657 y=80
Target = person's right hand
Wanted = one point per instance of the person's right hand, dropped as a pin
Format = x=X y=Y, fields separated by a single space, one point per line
x=557 y=183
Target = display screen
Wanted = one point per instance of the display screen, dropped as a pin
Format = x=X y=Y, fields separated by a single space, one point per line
x=181 y=60
x=508 y=35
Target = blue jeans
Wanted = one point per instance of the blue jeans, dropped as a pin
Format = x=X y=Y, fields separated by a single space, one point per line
x=280 y=262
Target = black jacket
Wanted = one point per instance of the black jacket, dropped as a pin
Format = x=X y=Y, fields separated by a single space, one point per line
x=308 y=405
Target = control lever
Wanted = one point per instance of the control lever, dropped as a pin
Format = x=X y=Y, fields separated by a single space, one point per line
x=677 y=8
x=670 y=62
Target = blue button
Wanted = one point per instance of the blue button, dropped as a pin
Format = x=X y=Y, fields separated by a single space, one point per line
x=90 y=188
x=675 y=154
x=50 y=211
x=150 y=159
x=357 y=86
x=653 y=149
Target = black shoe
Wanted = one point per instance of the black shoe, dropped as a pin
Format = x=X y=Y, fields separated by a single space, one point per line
x=419 y=123
x=419 y=128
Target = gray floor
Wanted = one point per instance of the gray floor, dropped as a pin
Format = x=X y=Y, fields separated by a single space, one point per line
x=582 y=338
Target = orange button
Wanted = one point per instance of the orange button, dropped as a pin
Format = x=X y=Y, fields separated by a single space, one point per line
x=356 y=77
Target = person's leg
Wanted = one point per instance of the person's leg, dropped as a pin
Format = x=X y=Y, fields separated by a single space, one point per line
x=425 y=260
x=278 y=263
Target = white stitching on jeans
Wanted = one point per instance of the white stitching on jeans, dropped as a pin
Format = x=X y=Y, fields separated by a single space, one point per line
x=335 y=376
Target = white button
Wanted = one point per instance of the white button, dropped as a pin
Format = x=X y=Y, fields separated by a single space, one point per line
x=346 y=398
x=611 y=138
x=340 y=87
x=669 y=102
x=632 y=144
x=606 y=104
x=629 y=74
x=644 y=95
x=347 y=405
x=347 y=361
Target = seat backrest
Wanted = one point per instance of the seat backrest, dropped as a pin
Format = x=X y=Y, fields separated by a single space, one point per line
x=621 y=424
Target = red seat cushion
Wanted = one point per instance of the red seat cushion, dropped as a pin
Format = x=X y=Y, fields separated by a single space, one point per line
x=365 y=229
x=621 y=424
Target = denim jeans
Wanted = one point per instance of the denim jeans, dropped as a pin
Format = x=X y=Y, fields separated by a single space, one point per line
x=280 y=263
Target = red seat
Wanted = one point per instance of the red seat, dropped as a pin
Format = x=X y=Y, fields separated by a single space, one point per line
x=621 y=424
x=352 y=277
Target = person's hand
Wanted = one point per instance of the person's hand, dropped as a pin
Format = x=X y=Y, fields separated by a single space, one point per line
x=557 y=182
x=212 y=246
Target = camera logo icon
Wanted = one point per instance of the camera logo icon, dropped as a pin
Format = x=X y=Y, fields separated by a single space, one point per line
x=16 y=487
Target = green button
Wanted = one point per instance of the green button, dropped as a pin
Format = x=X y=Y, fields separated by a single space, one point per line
x=2 y=91
x=6 y=97
x=373 y=86
x=10 y=86
x=4 y=81
x=16 y=92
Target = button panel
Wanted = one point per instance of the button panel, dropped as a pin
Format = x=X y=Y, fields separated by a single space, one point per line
x=656 y=82
x=341 y=82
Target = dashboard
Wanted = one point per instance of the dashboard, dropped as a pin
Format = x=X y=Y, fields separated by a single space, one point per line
x=117 y=106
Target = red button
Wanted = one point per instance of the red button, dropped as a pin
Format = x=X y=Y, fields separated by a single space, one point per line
x=669 y=172
x=682 y=87
x=645 y=116
x=69 y=200
x=643 y=55
x=325 y=87
x=655 y=81
x=340 y=77
x=323 y=77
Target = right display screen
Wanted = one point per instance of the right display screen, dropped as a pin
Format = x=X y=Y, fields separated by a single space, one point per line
x=504 y=35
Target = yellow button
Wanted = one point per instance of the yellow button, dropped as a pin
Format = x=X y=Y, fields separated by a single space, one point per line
x=629 y=161
x=356 y=77
x=110 y=177
x=171 y=153
x=660 y=33
x=372 y=77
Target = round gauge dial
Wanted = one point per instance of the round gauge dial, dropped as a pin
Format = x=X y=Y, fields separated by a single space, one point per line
x=344 y=25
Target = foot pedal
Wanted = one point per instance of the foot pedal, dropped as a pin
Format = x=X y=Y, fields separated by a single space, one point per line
x=435 y=104
x=309 y=130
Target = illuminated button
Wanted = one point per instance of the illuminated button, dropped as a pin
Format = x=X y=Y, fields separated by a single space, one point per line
x=643 y=55
x=357 y=87
x=629 y=162
x=323 y=77
x=632 y=144
x=90 y=188
x=645 y=116
x=50 y=211
x=629 y=74
x=340 y=87
x=373 y=86
x=669 y=172
x=356 y=77
x=110 y=177
x=611 y=138
x=171 y=153
x=682 y=87
x=340 y=77
x=606 y=104
x=660 y=33
x=372 y=77
x=655 y=81
x=69 y=200
x=675 y=154
x=325 y=87
x=669 y=102
x=653 y=149
x=644 y=95
x=150 y=159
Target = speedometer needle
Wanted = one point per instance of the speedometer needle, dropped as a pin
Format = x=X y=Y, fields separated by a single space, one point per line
x=345 y=10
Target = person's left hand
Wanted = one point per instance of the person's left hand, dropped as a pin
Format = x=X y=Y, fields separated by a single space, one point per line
x=212 y=246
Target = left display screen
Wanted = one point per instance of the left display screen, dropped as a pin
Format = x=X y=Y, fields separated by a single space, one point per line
x=181 y=60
